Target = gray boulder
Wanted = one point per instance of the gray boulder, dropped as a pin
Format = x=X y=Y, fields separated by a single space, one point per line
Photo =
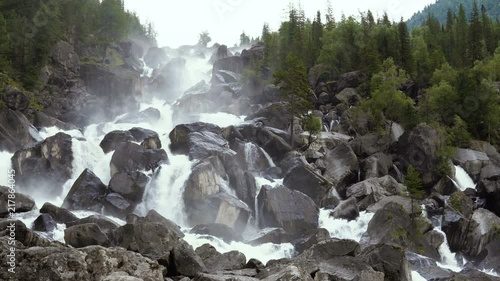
x=115 y=139
x=15 y=202
x=215 y=261
x=16 y=132
x=83 y=235
x=341 y=167
x=472 y=161
x=87 y=193
x=132 y=157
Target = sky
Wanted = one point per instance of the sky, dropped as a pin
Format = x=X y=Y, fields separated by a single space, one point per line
x=180 y=22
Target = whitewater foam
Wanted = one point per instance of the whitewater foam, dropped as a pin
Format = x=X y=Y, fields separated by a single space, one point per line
x=344 y=229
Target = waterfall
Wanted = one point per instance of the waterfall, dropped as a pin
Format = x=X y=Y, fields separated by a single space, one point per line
x=268 y=157
x=344 y=229
x=448 y=259
x=462 y=179
x=5 y=166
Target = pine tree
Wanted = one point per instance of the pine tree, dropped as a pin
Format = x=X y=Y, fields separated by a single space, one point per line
x=294 y=89
x=475 y=36
x=405 y=48
x=487 y=31
x=204 y=39
x=4 y=46
x=317 y=34
x=244 y=39
x=461 y=37
x=414 y=185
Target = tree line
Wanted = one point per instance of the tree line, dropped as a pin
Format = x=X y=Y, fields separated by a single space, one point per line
x=453 y=65
x=29 y=28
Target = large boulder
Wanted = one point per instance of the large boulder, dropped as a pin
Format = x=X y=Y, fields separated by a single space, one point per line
x=16 y=132
x=454 y=225
x=87 y=193
x=158 y=242
x=490 y=190
x=392 y=224
x=484 y=228
x=376 y=165
x=116 y=87
x=303 y=178
x=42 y=120
x=45 y=223
x=389 y=259
x=64 y=64
x=131 y=157
x=60 y=215
x=275 y=115
x=419 y=148
x=114 y=139
x=291 y=210
x=472 y=161
x=347 y=210
x=15 y=99
x=369 y=144
x=86 y=264
x=273 y=142
x=14 y=201
x=83 y=235
x=341 y=167
x=129 y=185
x=215 y=261
x=349 y=80
x=310 y=238
x=233 y=64
x=155 y=57
x=148 y=115
x=374 y=189
x=106 y=225
x=46 y=166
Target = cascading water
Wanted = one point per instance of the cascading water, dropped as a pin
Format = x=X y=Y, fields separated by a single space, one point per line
x=344 y=229
x=462 y=179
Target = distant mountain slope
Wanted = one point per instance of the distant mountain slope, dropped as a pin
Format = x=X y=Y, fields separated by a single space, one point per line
x=440 y=9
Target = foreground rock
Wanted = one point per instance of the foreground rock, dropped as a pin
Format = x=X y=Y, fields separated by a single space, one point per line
x=46 y=166
x=216 y=261
x=87 y=193
x=86 y=264
x=341 y=167
x=291 y=210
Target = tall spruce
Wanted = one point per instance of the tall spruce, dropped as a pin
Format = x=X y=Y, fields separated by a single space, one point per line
x=476 y=43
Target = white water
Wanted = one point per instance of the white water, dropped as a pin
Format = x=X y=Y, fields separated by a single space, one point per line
x=462 y=179
x=344 y=229
x=5 y=166
x=448 y=259
x=221 y=119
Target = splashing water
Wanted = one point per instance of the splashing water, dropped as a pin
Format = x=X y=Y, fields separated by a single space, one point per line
x=221 y=119
x=264 y=252
x=344 y=229
x=415 y=276
x=448 y=259
x=462 y=179
x=5 y=166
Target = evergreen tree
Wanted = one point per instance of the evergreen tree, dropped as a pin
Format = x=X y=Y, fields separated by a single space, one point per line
x=405 y=47
x=461 y=37
x=475 y=36
x=244 y=39
x=487 y=31
x=317 y=34
x=4 y=46
x=294 y=89
x=414 y=184
x=204 y=39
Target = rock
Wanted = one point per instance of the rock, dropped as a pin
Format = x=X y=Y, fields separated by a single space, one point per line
x=349 y=80
x=370 y=144
x=490 y=190
x=341 y=167
x=60 y=215
x=291 y=210
x=472 y=161
x=116 y=87
x=87 y=234
x=255 y=53
x=348 y=96
x=221 y=231
x=376 y=189
x=16 y=132
x=291 y=272
x=418 y=147
x=461 y=203
x=310 y=238
x=487 y=148
x=155 y=217
x=233 y=64
x=392 y=224
x=377 y=165
x=26 y=237
x=44 y=167
x=117 y=206
x=106 y=225
x=347 y=210
x=132 y=157
x=45 y=223
x=302 y=177
x=270 y=235
x=13 y=201
x=346 y=268
x=490 y=172
x=44 y=121
x=215 y=261
x=143 y=135
x=206 y=144
x=492 y=259
x=435 y=238
x=276 y=115
x=484 y=228
x=87 y=193
x=15 y=99
x=203 y=181
x=455 y=226
x=329 y=248
x=64 y=64
x=155 y=57
x=405 y=202
x=225 y=77
x=114 y=139
x=186 y=261
x=89 y=263
x=179 y=136
x=318 y=73
x=389 y=259
x=131 y=186
x=276 y=146
x=148 y=115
